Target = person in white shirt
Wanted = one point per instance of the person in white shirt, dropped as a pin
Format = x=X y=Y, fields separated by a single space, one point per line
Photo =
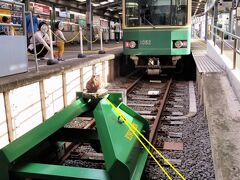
x=60 y=41
x=117 y=32
x=42 y=41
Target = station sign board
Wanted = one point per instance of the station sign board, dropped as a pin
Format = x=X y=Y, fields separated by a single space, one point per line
x=64 y=14
x=41 y=8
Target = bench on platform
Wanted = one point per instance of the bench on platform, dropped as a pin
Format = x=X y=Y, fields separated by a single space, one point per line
x=205 y=65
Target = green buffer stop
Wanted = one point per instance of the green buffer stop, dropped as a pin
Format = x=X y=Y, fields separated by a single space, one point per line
x=124 y=157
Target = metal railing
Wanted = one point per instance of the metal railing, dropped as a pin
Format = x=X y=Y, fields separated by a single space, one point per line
x=214 y=31
x=195 y=33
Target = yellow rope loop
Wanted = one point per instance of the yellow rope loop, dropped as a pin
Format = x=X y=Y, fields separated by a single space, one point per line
x=136 y=133
x=90 y=41
x=38 y=52
x=67 y=40
x=41 y=50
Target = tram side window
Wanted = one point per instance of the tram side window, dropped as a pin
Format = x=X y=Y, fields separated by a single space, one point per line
x=132 y=13
x=180 y=11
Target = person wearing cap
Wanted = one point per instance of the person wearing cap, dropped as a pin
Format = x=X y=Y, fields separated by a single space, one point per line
x=60 y=41
x=42 y=41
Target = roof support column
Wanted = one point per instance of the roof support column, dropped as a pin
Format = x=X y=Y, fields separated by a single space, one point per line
x=215 y=20
x=53 y=17
x=230 y=24
x=206 y=26
x=27 y=4
x=89 y=25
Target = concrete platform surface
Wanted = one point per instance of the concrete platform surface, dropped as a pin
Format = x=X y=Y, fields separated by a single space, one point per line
x=223 y=115
x=113 y=50
x=72 y=51
x=11 y=82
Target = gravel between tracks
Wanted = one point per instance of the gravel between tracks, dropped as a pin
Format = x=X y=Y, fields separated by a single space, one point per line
x=196 y=157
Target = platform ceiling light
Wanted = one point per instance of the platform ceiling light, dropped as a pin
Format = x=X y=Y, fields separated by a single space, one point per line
x=104 y=2
x=110 y=9
x=110 y=0
x=116 y=16
x=107 y=14
x=197 y=8
x=95 y=4
x=81 y=0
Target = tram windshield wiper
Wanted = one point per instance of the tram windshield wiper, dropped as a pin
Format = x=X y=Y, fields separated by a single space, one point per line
x=148 y=22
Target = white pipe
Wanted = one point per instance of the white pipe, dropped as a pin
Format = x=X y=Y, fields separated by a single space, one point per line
x=34 y=42
x=50 y=41
x=81 y=40
x=101 y=39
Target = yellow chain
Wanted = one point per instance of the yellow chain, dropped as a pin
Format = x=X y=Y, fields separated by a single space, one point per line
x=90 y=41
x=62 y=39
x=75 y=37
x=38 y=52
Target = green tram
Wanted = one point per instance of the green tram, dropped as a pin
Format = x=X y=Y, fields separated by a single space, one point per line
x=156 y=33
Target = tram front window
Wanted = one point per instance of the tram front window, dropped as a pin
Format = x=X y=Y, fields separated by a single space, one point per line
x=156 y=12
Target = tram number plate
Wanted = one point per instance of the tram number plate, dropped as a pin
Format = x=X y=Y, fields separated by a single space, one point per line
x=145 y=42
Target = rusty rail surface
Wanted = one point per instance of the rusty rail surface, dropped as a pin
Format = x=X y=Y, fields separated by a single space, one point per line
x=160 y=110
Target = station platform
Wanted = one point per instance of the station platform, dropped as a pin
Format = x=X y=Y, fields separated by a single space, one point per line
x=71 y=62
x=222 y=107
x=72 y=51
x=28 y=99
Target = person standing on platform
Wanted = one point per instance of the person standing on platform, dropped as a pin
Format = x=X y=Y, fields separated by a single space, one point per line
x=117 y=31
x=29 y=26
x=35 y=23
x=60 y=41
x=42 y=41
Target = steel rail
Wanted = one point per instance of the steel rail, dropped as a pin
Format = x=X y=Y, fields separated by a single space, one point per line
x=156 y=123
x=72 y=146
x=130 y=88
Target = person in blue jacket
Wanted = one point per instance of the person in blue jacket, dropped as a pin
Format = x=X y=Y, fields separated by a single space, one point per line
x=28 y=24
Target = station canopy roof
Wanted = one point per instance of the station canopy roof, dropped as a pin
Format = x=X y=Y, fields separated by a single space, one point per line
x=198 y=7
x=107 y=8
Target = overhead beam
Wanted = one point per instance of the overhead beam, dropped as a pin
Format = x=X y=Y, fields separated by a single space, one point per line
x=61 y=3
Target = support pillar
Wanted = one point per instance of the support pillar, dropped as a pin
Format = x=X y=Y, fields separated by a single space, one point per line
x=89 y=25
x=230 y=23
x=27 y=4
x=109 y=31
x=53 y=16
x=215 y=19
x=206 y=26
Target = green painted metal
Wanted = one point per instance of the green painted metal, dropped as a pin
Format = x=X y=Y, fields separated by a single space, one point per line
x=157 y=41
x=124 y=156
x=17 y=148
x=47 y=171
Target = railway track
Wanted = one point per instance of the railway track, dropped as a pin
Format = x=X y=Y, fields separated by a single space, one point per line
x=181 y=138
x=158 y=101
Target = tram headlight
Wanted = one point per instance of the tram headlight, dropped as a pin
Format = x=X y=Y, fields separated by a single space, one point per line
x=131 y=44
x=179 y=44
